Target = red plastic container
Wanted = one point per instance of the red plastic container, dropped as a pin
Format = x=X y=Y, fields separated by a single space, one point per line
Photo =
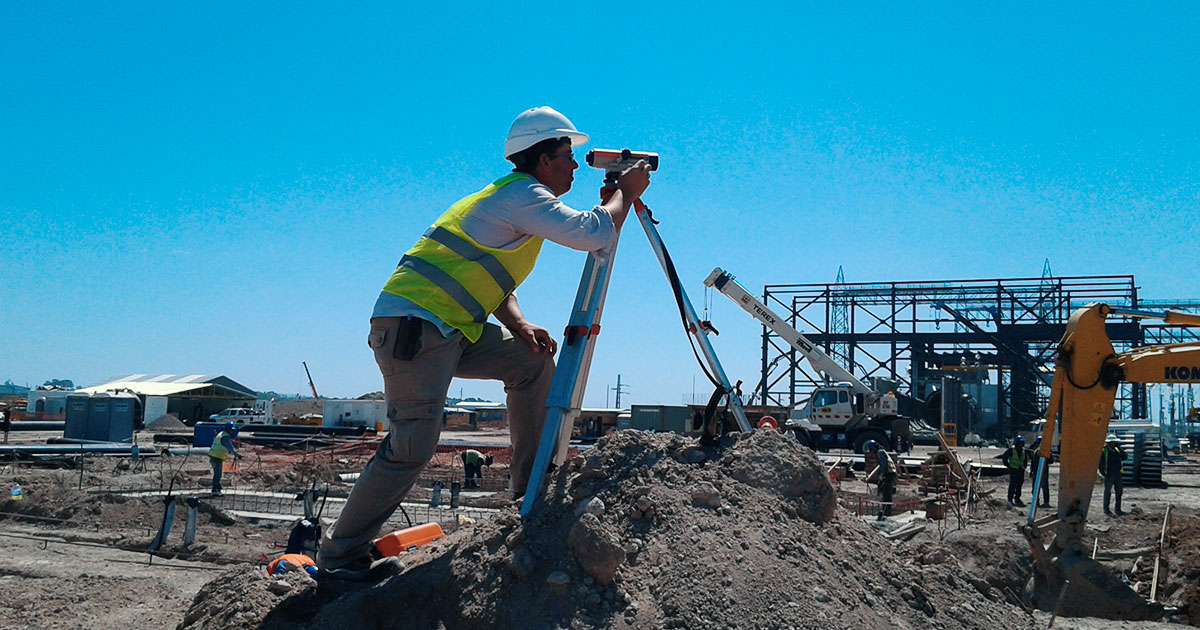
x=403 y=540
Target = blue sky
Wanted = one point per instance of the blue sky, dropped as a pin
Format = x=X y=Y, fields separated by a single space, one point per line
x=223 y=188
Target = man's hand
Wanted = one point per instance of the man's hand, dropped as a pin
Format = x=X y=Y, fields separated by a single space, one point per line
x=631 y=184
x=538 y=338
x=634 y=181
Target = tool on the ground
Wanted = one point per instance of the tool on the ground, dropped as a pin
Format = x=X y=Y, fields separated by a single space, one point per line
x=565 y=399
x=1087 y=374
x=405 y=539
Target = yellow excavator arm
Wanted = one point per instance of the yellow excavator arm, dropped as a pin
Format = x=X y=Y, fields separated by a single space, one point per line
x=1086 y=379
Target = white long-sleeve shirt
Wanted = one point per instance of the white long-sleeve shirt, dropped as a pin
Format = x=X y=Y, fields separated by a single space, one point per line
x=506 y=220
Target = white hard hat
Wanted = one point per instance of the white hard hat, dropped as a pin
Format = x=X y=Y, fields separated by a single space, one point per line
x=1112 y=437
x=537 y=124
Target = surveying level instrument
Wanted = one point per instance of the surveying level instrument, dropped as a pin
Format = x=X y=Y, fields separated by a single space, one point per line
x=617 y=160
x=565 y=399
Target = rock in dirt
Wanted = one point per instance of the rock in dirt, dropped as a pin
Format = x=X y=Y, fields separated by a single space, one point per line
x=706 y=495
x=777 y=553
x=598 y=551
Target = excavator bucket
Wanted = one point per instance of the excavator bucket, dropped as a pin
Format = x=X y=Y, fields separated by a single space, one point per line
x=1077 y=586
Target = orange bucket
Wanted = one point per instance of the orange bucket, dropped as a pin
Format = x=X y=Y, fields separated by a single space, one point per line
x=403 y=540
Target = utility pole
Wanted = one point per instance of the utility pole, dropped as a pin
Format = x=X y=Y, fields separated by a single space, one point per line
x=619 y=388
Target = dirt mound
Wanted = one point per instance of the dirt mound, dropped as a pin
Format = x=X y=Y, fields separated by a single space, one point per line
x=1182 y=563
x=995 y=561
x=293 y=475
x=649 y=531
x=168 y=423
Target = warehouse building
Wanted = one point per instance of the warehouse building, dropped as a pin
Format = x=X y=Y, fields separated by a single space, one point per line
x=192 y=397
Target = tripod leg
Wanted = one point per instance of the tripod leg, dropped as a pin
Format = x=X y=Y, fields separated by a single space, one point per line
x=691 y=321
x=570 y=375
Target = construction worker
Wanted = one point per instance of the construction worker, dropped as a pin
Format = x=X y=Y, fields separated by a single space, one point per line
x=885 y=471
x=1035 y=462
x=473 y=463
x=222 y=447
x=291 y=562
x=430 y=320
x=1014 y=458
x=1111 y=459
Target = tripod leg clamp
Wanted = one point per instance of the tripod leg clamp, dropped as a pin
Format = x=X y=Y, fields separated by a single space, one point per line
x=575 y=332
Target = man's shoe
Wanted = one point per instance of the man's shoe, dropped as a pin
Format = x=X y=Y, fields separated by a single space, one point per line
x=1108 y=512
x=1121 y=512
x=1019 y=503
x=1044 y=505
x=364 y=569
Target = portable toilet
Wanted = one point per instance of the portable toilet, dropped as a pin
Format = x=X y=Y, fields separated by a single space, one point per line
x=76 y=425
x=99 y=417
x=123 y=416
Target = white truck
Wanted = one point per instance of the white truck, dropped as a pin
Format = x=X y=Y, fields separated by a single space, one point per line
x=845 y=413
x=260 y=413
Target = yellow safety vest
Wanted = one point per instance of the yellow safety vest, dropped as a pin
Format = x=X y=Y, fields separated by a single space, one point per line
x=1016 y=461
x=218 y=450
x=885 y=461
x=1104 y=461
x=462 y=282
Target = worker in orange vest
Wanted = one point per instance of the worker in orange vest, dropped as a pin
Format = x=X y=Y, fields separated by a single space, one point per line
x=292 y=562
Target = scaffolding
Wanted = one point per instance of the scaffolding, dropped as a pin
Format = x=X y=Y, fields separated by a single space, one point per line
x=899 y=332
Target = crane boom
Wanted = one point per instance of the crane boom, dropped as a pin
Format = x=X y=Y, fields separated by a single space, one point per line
x=723 y=281
x=310 y=381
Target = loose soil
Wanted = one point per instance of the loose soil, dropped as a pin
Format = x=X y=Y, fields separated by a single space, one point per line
x=642 y=531
x=649 y=531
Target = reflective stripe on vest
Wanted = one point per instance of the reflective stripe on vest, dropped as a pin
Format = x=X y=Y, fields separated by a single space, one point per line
x=218 y=450
x=462 y=282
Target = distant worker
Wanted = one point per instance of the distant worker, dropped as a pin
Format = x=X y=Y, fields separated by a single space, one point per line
x=430 y=322
x=473 y=463
x=1111 y=459
x=292 y=562
x=222 y=447
x=1035 y=461
x=885 y=471
x=1014 y=458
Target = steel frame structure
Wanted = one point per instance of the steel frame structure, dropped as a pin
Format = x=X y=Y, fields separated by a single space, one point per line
x=896 y=330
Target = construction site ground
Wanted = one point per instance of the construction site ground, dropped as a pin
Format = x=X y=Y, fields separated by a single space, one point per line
x=639 y=531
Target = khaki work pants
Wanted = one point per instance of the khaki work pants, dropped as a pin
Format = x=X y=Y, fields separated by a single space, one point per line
x=415 y=390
